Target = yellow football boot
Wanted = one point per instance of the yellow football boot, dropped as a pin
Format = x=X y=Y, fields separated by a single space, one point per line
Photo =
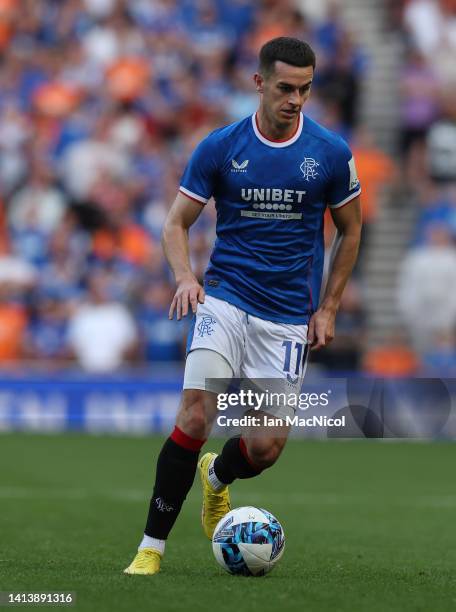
x=146 y=562
x=215 y=503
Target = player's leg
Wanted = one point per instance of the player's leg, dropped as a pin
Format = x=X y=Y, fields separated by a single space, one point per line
x=247 y=455
x=217 y=331
x=200 y=364
x=274 y=353
x=178 y=459
x=214 y=350
x=177 y=463
x=175 y=472
x=264 y=446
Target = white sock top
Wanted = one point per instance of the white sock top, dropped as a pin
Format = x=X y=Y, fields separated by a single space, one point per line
x=148 y=542
x=216 y=484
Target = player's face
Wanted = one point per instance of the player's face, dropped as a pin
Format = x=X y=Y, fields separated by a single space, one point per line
x=284 y=92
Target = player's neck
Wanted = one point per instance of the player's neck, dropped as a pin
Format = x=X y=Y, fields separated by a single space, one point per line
x=271 y=130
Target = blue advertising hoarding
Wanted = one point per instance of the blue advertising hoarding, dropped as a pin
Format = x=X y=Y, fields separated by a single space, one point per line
x=144 y=403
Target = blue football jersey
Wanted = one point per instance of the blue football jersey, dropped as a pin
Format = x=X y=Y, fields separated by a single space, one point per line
x=270 y=198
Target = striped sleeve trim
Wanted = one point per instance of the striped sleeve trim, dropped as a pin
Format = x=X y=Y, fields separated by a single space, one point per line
x=347 y=200
x=193 y=196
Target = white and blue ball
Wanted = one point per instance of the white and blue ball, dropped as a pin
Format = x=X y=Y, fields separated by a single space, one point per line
x=248 y=541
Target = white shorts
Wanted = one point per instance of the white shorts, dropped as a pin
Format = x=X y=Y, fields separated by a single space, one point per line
x=254 y=348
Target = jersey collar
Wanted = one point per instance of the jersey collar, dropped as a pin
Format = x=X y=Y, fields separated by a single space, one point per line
x=277 y=143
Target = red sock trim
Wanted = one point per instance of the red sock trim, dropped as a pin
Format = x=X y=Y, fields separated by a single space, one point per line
x=243 y=448
x=181 y=438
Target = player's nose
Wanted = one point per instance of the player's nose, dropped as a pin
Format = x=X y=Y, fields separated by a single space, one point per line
x=294 y=99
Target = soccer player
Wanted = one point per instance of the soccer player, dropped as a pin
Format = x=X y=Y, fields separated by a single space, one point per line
x=272 y=176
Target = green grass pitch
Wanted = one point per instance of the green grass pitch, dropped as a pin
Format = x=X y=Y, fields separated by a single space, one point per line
x=369 y=526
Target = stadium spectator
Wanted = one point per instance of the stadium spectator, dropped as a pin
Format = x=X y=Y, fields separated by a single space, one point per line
x=13 y=322
x=431 y=25
x=441 y=141
x=376 y=171
x=424 y=22
x=393 y=358
x=344 y=352
x=45 y=336
x=38 y=202
x=17 y=278
x=15 y=273
x=270 y=21
x=84 y=160
x=209 y=37
x=427 y=306
x=161 y=339
x=339 y=83
x=102 y=333
x=439 y=359
x=437 y=206
x=62 y=273
x=419 y=87
x=15 y=130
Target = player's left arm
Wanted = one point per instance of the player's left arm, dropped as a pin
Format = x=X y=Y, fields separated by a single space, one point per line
x=347 y=220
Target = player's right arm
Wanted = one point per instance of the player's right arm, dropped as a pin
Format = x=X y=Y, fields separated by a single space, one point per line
x=183 y=213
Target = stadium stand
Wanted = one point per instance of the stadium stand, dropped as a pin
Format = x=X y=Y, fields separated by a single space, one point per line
x=94 y=137
x=102 y=102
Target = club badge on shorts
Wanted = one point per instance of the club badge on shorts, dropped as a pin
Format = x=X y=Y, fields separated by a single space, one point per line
x=206 y=326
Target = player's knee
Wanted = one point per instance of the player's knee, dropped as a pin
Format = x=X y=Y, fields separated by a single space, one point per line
x=263 y=453
x=192 y=417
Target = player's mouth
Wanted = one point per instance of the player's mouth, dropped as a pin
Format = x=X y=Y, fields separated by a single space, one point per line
x=289 y=113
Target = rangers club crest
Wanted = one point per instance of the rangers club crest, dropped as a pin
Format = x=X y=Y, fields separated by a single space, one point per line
x=206 y=326
x=308 y=168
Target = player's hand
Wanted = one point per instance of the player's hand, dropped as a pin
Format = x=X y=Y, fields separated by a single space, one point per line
x=321 y=328
x=188 y=292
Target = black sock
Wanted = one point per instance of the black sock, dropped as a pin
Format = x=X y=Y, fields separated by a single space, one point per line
x=233 y=462
x=176 y=468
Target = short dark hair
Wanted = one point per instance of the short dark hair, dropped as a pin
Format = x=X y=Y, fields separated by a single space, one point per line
x=288 y=50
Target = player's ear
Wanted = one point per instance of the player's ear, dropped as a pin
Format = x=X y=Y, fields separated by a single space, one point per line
x=259 y=81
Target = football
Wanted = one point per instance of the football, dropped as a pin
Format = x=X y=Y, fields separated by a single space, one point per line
x=248 y=541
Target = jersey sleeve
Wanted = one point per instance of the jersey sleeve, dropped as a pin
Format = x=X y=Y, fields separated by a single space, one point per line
x=198 y=180
x=344 y=184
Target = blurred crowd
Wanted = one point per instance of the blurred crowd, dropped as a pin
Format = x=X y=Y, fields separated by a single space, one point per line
x=427 y=275
x=101 y=104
